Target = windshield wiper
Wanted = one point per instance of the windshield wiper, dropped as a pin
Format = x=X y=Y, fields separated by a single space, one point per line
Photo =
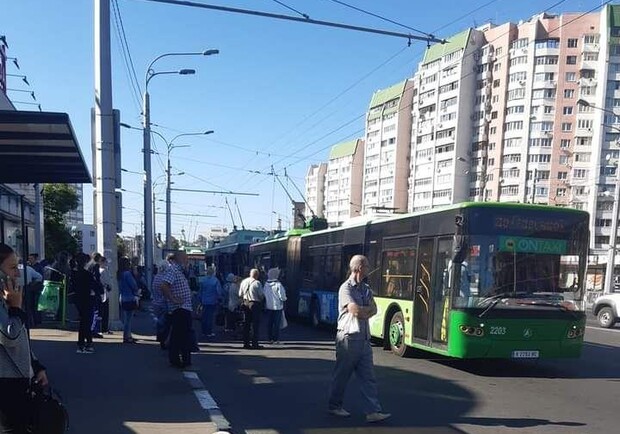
x=493 y=300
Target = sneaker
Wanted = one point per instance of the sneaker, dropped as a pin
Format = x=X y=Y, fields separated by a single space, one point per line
x=377 y=417
x=340 y=412
x=97 y=335
x=89 y=350
x=81 y=351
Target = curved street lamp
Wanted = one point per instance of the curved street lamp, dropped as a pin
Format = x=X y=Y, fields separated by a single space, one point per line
x=148 y=187
x=172 y=146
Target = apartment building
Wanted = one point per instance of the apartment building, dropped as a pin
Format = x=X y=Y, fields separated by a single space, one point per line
x=315 y=189
x=387 y=148
x=76 y=217
x=343 y=182
x=442 y=127
x=521 y=112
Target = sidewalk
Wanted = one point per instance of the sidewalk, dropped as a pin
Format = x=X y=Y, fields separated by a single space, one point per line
x=122 y=388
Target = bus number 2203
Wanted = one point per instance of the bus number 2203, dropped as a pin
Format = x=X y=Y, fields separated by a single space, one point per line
x=495 y=330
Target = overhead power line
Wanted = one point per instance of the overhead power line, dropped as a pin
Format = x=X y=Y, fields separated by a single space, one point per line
x=381 y=17
x=291 y=9
x=429 y=39
x=130 y=70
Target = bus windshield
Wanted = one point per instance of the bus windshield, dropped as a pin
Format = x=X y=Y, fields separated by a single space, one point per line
x=524 y=271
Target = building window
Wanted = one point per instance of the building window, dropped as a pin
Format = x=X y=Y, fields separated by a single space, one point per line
x=567 y=126
x=572 y=42
x=569 y=93
x=567 y=111
x=571 y=60
x=562 y=175
x=565 y=143
x=571 y=76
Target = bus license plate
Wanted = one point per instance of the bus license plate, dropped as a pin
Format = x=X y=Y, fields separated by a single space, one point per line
x=525 y=354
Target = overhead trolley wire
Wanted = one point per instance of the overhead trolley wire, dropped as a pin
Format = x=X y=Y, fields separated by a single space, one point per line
x=291 y=9
x=407 y=36
x=382 y=18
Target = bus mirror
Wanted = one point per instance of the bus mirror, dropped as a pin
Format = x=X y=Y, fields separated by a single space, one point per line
x=460 y=249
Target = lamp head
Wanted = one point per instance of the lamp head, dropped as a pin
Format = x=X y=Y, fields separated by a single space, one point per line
x=208 y=132
x=210 y=52
x=583 y=102
x=187 y=71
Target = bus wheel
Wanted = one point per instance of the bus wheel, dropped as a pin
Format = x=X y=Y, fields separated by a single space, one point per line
x=315 y=318
x=397 y=334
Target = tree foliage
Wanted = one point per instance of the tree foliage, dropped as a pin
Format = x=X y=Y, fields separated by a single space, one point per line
x=58 y=200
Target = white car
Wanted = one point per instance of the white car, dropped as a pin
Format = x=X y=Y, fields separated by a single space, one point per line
x=606 y=308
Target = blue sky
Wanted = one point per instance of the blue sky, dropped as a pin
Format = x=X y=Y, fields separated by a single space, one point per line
x=258 y=94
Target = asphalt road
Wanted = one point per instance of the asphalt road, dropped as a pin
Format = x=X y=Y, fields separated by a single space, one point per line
x=284 y=389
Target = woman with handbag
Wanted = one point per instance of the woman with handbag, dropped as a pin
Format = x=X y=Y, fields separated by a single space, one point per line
x=18 y=366
x=130 y=296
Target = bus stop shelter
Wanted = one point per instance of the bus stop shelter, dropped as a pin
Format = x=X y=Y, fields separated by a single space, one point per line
x=36 y=148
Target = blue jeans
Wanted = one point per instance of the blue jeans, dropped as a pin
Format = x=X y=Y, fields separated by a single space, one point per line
x=354 y=356
x=127 y=317
x=208 y=318
x=273 y=324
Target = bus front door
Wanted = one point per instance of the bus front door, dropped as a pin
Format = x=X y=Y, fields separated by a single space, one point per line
x=422 y=299
x=431 y=300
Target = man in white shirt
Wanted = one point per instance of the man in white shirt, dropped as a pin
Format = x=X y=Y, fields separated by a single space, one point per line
x=251 y=294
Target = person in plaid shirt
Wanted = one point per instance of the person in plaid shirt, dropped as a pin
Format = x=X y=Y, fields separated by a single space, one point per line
x=175 y=288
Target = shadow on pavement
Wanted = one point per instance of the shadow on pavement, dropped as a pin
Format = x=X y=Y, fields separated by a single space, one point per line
x=597 y=361
x=122 y=388
x=285 y=390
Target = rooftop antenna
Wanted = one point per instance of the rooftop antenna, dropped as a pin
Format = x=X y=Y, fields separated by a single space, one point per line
x=239 y=212
x=231 y=215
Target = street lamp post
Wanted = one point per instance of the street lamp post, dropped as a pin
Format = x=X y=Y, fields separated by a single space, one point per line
x=170 y=147
x=611 y=253
x=148 y=187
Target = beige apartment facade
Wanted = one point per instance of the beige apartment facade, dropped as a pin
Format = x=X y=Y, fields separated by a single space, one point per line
x=315 y=190
x=387 y=149
x=343 y=182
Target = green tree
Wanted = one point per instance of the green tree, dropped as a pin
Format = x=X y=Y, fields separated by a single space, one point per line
x=58 y=200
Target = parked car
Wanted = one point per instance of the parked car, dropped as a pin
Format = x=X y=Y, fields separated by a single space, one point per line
x=606 y=308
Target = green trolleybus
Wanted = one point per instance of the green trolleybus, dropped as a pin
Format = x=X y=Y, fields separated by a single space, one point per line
x=473 y=280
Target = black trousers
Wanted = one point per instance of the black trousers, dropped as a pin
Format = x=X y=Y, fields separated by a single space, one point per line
x=251 y=324
x=85 y=336
x=14 y=408
x=104 y=311
x=179 y=349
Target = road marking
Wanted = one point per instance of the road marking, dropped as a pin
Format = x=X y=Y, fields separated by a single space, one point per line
x=207 y=402
x=603 y=330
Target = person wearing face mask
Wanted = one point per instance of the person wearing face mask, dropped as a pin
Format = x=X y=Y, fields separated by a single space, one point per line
x=18 y=365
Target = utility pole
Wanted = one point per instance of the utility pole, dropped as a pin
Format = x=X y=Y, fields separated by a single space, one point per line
x=534 y=186
x=103 y=149
x=611 y=253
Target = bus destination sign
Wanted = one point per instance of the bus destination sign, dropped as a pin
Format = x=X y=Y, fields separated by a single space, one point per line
x=532 y=245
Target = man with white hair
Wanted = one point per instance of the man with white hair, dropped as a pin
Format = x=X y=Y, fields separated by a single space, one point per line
x=251 y=293
x=353 y=351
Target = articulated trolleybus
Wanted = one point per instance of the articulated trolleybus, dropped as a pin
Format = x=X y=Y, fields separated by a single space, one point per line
x=473 y=280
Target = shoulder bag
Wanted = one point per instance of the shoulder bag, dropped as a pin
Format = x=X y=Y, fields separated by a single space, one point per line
x=48 y=415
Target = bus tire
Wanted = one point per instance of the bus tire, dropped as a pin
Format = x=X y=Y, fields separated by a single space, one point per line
x=606 y=317
x=315 y=314
x=396 y=335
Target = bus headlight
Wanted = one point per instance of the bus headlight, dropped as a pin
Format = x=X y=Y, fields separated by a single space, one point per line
x=575 y=332
x=471 y=330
